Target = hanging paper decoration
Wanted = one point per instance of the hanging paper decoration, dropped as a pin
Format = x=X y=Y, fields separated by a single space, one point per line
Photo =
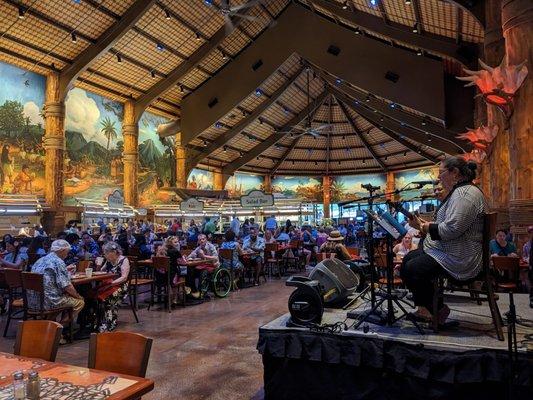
x=481 y=137
x=498 y=85
x=475 y=155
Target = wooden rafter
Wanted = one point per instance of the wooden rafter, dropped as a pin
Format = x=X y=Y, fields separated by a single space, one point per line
x=242 y=124
x=328 y=137
x=274 y=138
x=103 y=44
x=361 y=136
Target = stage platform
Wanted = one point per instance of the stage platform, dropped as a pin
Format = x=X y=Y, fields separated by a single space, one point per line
x=466 y=361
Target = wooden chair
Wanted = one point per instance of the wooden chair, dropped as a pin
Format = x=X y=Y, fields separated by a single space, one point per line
x=134 y=251
x=353 y=251
x=38 y=339
x=486 y=289
x=34 y=282
x=120 y=352
x=380 y=262
x=272 y=262
x=510 y=269
x=13 y=281
x=137 y=279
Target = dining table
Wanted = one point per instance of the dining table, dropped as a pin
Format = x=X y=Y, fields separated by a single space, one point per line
x=81 y=278
x=60 y=381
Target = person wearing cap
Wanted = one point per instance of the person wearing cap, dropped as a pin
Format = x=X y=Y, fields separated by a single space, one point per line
x=527 y=255
x=58 y=290
x=334 y=244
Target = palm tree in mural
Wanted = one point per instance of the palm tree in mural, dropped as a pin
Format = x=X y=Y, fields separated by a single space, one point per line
x=337 y=190
x=109 y=130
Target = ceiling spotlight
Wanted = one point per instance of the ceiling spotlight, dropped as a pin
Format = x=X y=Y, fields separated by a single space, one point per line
x=181 y=89
x=385 y=159
x=419 y=151
x=402 y=123
x=224 y=56
x=251 y=138
x=119 y=58
x=205 y=143
x=356 y=102
x=218 y=125
x=153 y=74
x=347 y=149
x=73 y=37
x=375 y=110
x=345 y=5
x=286 y=110
x=338 y=81
x=316 y=163
x=292 y=162
x=225 y=148
x=428 y=137
x=392 y=105
x=167 y=14
x=357 y=31
x=291 y=135
x=419 y=52
x=257 y=158
x=343 y=137
x=364 y=161
x=198 y=37
x=381 y=119
x=339 y=162
x=367 y=98
x=405 y=154
x=22 y=12
x=408 y=2
x=415 y=28
x=159 y=47
x=373 y=3
x=260 y=121
x=240 y=154
x=258 y=92
x=208 y=2
x=424 y=121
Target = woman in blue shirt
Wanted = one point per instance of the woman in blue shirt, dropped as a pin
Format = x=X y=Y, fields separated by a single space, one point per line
x=501 y=247
x=14 y=258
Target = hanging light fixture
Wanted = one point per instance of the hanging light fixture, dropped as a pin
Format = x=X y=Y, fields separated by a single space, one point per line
x=73 y=37
x=119 y=58
x=22 y=12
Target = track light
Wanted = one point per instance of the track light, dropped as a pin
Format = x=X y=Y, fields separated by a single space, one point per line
x=119 y=58
x=428 y=137
x=73 y=37
x=181 y=89
x=218 y=125
x=316 y=163
x=345 y=5
x=225 y=149
x=153 y=74
x=208 y=2
x=224 y=56
x=240 y=154
x=385 y=159
x=424 y=121
x=408 y=2
x=415 y=28
x=381 y=119
x=251 y=138
x=338 y=81
x=22 y=12
x=198 y=37
x=205 y=143
x=159 y=47
x=339 y=162
x=364 y=161
x=257 y=158
x=367 y=98
x=405 y=154
x=419 y=52
x=392 y=105
x=292 y=162
x=258 y=92
x=260 y=121
x=373 y=3
x=343 y=137
x=357 y=31
x=167 y=14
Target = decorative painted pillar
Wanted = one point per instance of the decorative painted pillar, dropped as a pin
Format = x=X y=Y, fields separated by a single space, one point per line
x=390 y=186
x=267 y=183
x=54 y=145
x=326 y=188
x=495 y=171
x=54 y=142
x=181 y=158
x=517 y=23
x=130 y=130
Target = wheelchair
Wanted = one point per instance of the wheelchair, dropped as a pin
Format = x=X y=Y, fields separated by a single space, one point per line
x=214 y=279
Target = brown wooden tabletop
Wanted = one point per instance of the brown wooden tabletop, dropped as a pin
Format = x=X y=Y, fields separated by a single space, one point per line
x=63 y=381
x=82 y=279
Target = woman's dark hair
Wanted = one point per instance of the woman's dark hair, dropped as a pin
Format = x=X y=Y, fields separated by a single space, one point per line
x=16 y=244
x=501 y=230
x=467 y=169
x=229 y=236
x=72 y=238
x=36 y=243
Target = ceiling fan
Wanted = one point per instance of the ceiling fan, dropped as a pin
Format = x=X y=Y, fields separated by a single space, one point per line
x=298 y=131
x=228 y=12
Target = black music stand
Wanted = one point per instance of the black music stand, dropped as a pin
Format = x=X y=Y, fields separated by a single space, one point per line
x=393 y=232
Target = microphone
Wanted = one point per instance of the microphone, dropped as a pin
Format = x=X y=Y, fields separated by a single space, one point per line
x=369 y=187
x=423 y=183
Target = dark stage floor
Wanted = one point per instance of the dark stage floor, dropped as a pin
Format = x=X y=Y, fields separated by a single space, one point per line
x=206 y=351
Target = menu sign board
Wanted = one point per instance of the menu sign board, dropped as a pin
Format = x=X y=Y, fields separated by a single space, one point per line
x=257 y=198
x=192 y=205
x=116 y=200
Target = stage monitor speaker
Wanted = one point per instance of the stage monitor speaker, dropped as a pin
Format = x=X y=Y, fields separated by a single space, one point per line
x=336 y=279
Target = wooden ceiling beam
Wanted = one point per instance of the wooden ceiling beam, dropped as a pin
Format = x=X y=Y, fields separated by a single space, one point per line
x=361 y=136
x=385 y=126
x=105 y=42
x=274 y=138
x=437 y=44
x=242 y=124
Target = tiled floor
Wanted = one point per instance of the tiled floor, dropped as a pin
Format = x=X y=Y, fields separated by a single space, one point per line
x=200 y=352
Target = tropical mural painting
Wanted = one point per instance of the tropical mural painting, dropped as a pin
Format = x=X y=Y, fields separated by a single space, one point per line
x=200 y=179
x=157 y=163
x=350 y=187
x=426 y=174
x=94 y=142
x=21 y=129
x=241 y=184
x=305 y=188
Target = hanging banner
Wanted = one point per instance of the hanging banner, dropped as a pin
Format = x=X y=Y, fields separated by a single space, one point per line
x=116 y=200
x=192 y=205
x=257 y=198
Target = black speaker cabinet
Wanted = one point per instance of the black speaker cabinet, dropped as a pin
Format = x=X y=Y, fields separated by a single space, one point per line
x=336 y=279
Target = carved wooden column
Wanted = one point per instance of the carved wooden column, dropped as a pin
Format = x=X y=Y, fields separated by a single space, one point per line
x=130 y=129
x=517 y=23
x=219 y=179
x=390 y=186
x=495 y=172
x=54 y=145
x=326 y=188
x=181 y=159
x=267 y=183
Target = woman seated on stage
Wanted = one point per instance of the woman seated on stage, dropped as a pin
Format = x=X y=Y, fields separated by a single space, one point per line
x=404 y=247
x=111 y=293
x=501 y=247
x=453 y=245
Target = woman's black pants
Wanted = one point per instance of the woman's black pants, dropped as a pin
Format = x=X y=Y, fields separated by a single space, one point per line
x=418 y=272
